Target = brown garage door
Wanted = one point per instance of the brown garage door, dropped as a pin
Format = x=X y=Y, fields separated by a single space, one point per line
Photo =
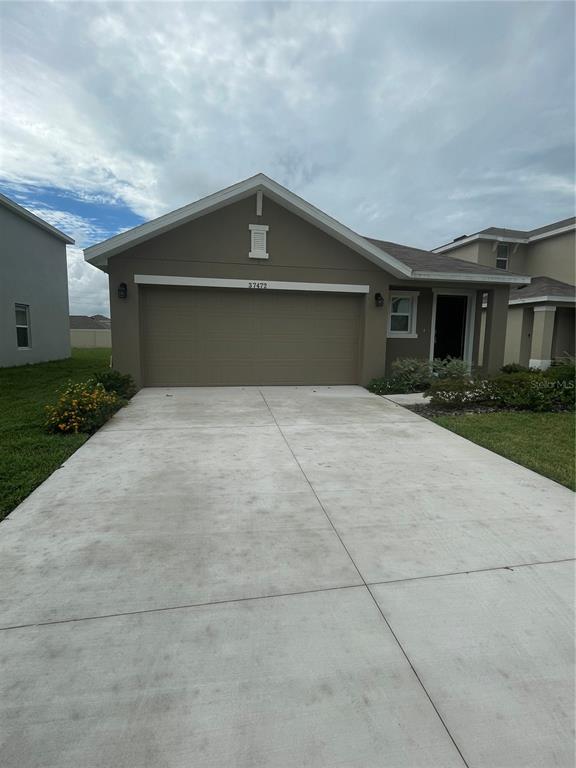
x=205 y=337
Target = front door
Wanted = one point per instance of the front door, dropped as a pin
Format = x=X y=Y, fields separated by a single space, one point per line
x=450 y=328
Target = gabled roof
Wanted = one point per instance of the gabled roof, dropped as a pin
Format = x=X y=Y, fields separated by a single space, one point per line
x=99 y=254
x=543 y=289
x=512 y=235
x=375 y=251
x=29 y=216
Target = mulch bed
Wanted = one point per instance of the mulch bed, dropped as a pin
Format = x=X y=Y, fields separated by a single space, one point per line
x=430 y=411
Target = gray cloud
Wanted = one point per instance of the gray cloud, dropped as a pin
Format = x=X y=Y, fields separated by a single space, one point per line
x=413 y=122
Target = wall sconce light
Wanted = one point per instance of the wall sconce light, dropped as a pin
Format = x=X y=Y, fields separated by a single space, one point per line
x=122 y=291
x=379 y=299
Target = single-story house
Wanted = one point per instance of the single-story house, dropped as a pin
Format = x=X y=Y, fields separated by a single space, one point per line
x=33 y=288
x=90 y=331
x=254 y=285
x=541 y=316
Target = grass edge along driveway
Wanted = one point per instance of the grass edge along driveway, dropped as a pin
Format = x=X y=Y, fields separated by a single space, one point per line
x=28 y=455
x=543 y=442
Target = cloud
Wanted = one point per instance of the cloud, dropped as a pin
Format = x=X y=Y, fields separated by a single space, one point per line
x=87 y=286
x=408 y=121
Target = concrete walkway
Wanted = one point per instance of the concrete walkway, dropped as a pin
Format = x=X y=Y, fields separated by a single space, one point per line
x=281 y=577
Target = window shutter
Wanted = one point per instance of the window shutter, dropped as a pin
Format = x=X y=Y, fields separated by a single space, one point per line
x=258 y=241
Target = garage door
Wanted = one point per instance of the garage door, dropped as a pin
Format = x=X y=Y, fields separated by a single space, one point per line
x=206 y=337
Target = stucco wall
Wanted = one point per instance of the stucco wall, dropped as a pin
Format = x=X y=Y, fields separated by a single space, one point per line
x=420 y=347
x=563 y=339
x=88 y=337
x=32 y=271
x=518 y=330
x=554 y=257
x=217 y=245
x=484 y=252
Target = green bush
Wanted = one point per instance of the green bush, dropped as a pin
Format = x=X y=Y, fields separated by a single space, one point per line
x=81 y=407
x=121 y=384
x=529 y=390
x=451 y=368
x=457 y=393
x=535 y=391
x=562 y=375
x=524 y=390
x=514 y=368
x=385 y=386
x=412 y=373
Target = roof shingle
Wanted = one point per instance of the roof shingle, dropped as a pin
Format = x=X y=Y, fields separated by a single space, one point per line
x=426 y=261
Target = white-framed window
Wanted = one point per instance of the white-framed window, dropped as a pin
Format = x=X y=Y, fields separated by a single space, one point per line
x=502 y=255
x=23 y=338
x=402 y=315
x=258 y=234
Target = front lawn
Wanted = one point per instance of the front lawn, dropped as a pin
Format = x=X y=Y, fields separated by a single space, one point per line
x=543 y=442
x=27 y=453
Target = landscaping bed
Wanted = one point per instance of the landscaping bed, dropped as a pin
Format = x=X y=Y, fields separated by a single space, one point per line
x=525 y=415
x=28 y=453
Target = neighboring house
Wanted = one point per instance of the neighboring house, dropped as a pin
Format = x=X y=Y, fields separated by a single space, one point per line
x=90 y=331
x=541 y=317
x=33 y=288
x=253 y=285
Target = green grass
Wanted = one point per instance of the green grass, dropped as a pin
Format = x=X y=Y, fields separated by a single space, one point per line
x=543 y=442
x=28 y=455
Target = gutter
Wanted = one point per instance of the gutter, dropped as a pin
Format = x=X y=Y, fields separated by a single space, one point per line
x=546 y=299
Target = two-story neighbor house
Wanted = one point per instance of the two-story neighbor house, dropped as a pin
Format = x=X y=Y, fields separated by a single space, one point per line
x=254 y=285
x=541 y=315
x=33 y=288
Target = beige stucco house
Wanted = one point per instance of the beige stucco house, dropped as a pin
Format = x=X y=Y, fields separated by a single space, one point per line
x=541 y=315
x=254 y=285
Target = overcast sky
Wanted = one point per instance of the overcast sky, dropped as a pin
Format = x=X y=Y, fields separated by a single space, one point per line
x=412 y=122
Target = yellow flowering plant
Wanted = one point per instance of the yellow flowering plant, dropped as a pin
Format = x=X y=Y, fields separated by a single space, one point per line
x=81 y=407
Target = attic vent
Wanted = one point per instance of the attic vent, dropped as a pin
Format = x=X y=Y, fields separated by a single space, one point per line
x=258 y=241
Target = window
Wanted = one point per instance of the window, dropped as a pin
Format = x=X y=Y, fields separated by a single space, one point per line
x=502 y=253
x=258 y=241
x=23 y=326
x=402 y=321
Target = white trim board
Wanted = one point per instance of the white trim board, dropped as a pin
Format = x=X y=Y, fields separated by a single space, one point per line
x=256 y=284
x=540 y=299
x=471 y=277
x=469 y=322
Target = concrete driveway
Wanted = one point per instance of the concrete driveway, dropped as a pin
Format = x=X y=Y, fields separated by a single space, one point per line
x=280 y=577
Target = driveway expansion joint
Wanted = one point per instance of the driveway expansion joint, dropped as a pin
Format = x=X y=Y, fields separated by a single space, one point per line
x=378 y=608
x=510 y=567
x=184 y=606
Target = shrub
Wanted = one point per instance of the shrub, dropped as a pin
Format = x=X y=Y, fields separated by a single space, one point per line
x=514 y=368
x=451 y=368
x=456 y=393
x=521 y=390
x=384 y=386
x=562 y=376
x=121 y=384
x=81 y=407
x=411 y=373
x=535 y=391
